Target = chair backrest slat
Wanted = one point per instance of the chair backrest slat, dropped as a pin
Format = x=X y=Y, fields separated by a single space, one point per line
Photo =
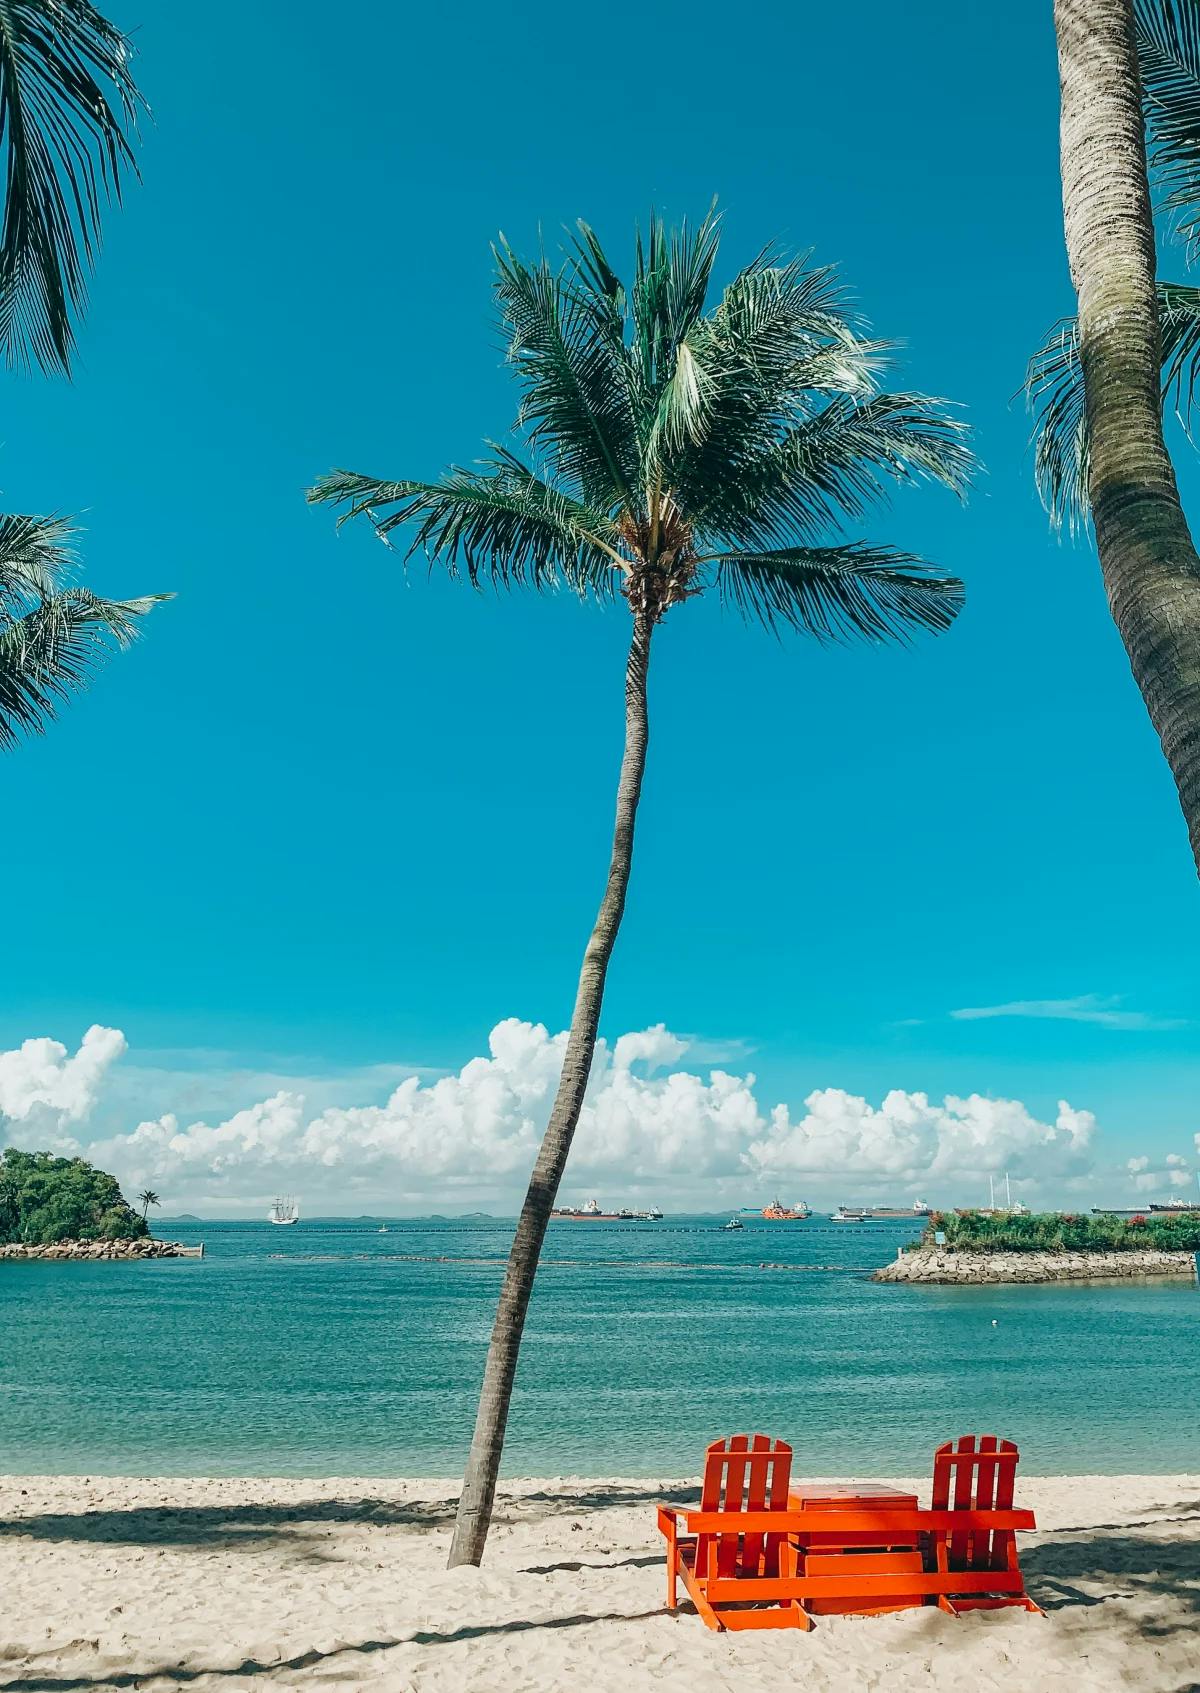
x=743 y=1473
x=964 y=1475
x=983 y=1472
x=758 y=1474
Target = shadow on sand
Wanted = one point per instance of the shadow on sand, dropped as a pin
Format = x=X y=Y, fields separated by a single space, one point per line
x=247 y=1525
x=182 y=1674
x=1157 y=1575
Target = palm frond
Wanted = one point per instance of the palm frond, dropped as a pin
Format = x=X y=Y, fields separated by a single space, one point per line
x=781 y=335
x=781 y=342
x=838 y=463
x=1055 y=395
x=672 y=270
x=51 y=652
x=778 y=312
x=672 y=375
x=1168 y=45
x=576 y=401
x=68 y=115
x=501 y=522
x=37 y=557
x=1179 y=330
x=856 y=591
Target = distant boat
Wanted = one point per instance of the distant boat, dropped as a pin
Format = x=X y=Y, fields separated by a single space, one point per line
x=778 y=1212
x=882 y=1213
x=384 y=1229
x=590 y=1212
x=284 y=1212
x=1174 y=1204
x=735 y=1223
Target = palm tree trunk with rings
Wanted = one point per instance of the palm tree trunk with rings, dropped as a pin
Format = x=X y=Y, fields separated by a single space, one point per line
x=483 y=1466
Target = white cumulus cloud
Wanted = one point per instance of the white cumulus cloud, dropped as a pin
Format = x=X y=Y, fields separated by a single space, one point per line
x=1147 y=1177
x=44 y=1086
x=911 y=1136
x=650 y=1126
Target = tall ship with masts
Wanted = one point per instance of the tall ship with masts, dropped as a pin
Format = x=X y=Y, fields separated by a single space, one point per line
x=284 y=1212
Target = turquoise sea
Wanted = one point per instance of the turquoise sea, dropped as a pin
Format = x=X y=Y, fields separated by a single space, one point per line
x=331 y=1348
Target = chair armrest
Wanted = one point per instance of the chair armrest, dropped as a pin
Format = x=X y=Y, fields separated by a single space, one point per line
x=668 y=1523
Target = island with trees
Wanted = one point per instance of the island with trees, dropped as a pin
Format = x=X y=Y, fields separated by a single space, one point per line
x=63 y=1208
x=1026 y=1246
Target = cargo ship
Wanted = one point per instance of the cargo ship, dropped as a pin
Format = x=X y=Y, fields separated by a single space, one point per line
x=881 y=1213
x=590 y=1212
x=778 y=1212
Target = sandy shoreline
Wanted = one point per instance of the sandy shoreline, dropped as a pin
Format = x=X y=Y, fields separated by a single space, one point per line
x=240 y=1584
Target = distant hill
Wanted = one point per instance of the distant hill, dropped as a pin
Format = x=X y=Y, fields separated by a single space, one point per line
x=183 y=1217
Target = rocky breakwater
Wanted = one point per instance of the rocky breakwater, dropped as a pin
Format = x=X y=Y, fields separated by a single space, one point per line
x=95 y=1251
x=964 y=1267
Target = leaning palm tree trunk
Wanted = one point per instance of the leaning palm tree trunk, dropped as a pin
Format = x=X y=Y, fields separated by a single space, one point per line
x=1149 y=562
x=483 y=1465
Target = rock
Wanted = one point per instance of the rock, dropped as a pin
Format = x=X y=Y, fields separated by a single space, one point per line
x=100 y=1251
x=943 y=1265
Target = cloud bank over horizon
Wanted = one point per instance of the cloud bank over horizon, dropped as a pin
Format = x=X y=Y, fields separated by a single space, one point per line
x=650 y=1128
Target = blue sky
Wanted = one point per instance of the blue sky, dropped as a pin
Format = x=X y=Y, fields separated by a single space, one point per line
x=326 y=819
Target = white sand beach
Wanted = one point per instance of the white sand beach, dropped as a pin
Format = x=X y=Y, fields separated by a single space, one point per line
x=301 y=1584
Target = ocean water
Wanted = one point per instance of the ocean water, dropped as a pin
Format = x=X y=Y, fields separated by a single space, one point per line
x=330 y=1348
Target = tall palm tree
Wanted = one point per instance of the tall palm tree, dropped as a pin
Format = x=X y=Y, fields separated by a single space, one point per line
x=146 y=1199
x=663 y=451
x=1098 y=382
x=68 y=115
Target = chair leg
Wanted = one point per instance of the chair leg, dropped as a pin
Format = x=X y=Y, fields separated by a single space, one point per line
x=708 y=1616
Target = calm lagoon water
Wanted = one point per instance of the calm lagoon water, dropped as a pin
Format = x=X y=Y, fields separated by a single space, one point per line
x=332 y=1349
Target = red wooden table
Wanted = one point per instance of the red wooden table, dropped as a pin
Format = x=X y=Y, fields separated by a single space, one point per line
x=829 y=1549
x=849 y=1496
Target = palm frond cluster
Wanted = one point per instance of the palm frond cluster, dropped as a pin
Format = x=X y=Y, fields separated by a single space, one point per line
x=664 y=446
x=53 y=632
x=1168 y=46
x=68 y=112
x=69 y=108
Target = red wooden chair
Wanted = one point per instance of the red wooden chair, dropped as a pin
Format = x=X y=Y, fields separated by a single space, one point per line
x=743 y=1473
x=977 y=1473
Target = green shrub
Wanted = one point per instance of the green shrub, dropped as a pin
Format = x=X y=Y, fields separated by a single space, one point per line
x=44 y=1199
x=1058 y=1231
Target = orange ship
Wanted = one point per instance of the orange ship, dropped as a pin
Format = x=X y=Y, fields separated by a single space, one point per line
x=778 y=1212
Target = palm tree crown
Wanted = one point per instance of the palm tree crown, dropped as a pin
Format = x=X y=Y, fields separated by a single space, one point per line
x=68 y=111
x=663 y=450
